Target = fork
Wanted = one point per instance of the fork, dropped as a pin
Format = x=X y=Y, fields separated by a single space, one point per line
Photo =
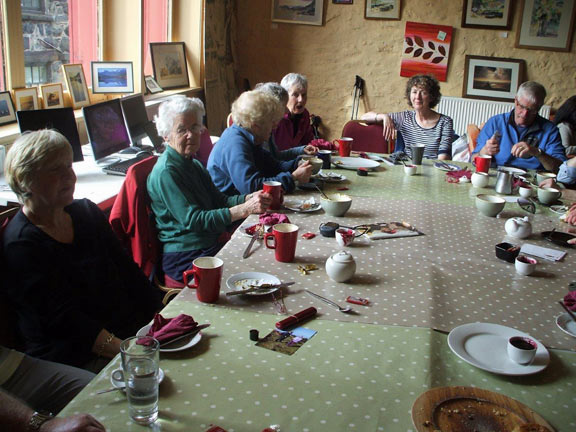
x=330 y=302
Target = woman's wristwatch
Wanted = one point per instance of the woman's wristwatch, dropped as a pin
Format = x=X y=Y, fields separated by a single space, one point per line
x=38 y=419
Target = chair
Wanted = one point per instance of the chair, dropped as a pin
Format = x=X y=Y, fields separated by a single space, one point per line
x=367 y=137
x=229 y=120
x=205 y=147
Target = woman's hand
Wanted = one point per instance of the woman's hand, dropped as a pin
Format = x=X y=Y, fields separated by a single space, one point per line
x=370 y=117
x=310 y=150
x=388 y=129
x=302 y=173
x=255 y=203
x=549 y=183
x=571 y=216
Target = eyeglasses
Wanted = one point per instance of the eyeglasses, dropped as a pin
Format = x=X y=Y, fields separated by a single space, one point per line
x=525 y=108
x=527 y=205
x=193 y=130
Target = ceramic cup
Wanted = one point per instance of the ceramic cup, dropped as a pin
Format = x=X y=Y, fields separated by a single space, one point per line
x=525 y=191
x=274 y=188
x=522 y=349
x=482 y=163
x=525 y=266
x=326 y=156
x=316 y=163
x=207 y=274
x=480 y=179
x=417 y=154
x=344 y=237
x=544 y=175
x=410 y=169
x=285 y=236
x=547 y=195
x=345 y=146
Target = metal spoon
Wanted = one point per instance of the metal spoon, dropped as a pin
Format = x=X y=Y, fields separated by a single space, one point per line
x=321 y=191
x=330 y=302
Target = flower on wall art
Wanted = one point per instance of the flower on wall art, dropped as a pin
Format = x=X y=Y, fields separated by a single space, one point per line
x=426 y=50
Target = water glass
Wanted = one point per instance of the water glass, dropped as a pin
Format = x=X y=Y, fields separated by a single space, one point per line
x=140 y=356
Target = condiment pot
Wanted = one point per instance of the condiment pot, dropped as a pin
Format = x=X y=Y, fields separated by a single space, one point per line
x=341 y=266
x=518 y=227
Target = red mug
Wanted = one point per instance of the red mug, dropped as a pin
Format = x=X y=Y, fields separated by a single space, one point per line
x=207 y=274
x=345 y=146
x=285 y=236
x=482 y=163
x=274 y=188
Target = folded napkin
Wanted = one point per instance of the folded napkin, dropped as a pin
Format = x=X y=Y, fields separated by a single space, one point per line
x=273 y=218
x=455 y=176
x=570 y=300
x=322 y=144
x=166 y=329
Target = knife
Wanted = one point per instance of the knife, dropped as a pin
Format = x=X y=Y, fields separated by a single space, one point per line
x=255 y=288
x=246 y=253
x=191 y=333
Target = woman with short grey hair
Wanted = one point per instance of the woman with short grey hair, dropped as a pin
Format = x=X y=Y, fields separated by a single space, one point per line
x=193 y=217
x=294 y=129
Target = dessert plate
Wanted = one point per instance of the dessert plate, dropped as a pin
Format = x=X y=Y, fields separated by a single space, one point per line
x=302 y=206
x=242 y=281
x=484 y=345
x=180 y=345
x=352 y=163
x=566 y=324
x=331 y=177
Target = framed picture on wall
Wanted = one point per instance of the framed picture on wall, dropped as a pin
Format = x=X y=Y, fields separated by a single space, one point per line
x=7 y=113
x=26 y=99
x=112 y=77
x=487 y=14
x=52 y=95
x=76 y=83
x=298 y=12
x=169 y=64
x=546 y=25
x=492 y=78
x=152 y=85
x=382 y=9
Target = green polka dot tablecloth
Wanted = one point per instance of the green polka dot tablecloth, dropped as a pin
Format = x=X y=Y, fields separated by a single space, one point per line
x=447 y=277
x=348 y=377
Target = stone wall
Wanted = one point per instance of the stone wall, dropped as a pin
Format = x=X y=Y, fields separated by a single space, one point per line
x=348 y=45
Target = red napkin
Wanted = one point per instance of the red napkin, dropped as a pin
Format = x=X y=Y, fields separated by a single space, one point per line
x=570 y=300
x=273 y=218
x=165 y=329
x=322 y=144
x=454 y=176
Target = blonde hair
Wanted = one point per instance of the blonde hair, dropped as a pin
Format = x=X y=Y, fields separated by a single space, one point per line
x=31 y=152
x=253 y=107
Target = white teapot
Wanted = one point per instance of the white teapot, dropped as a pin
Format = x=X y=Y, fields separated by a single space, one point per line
x=341 y=266
x=518 y=227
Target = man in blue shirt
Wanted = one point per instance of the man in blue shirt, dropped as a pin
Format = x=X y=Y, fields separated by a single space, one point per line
x=524 y=139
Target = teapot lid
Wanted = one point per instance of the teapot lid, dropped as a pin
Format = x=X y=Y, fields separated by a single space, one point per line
x=343 y=257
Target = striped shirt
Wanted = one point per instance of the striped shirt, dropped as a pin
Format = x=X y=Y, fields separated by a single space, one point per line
x=437 y=139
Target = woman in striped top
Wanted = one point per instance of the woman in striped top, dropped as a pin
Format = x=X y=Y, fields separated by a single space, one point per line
x=422 y=126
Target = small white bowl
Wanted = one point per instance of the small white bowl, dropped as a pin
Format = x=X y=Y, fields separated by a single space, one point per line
x=336 y=205
x=410 y=169
x=525 y=266
x=525 y=192
x=489 y=205
x=480 y=179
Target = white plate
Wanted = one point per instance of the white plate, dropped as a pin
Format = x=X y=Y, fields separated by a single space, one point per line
x=566 y=324
x=513 y=170
x=296 y=205
x=442 y=168
x=354 y=163
x=119 y=383
x=559 y=209
x=241 y=281
x=375 y=157
x=330 y=177
x=181 y=345
x=484 y=345
x=242 y=228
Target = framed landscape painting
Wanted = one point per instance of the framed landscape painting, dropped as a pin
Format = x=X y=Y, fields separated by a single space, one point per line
x=309 y=12
x=492 y=78
x=487 y=14
x=112 y=77
x=7 y=113
x=546 y=25
x=52 y=95
x=26 y=99
x=169 y=64
x=76 y=82
x=382 y=9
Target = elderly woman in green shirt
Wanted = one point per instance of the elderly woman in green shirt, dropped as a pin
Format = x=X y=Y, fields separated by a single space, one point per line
x=192 y=216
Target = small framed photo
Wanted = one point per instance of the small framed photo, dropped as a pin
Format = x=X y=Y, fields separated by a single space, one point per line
x=112 y=77
x=487 y=14
x=76 y=82
x=152 y=85
x=382 y=9
x=26 y=99
x=52 y=95
x=7 y=113
x=546 y=25
x=492 y=78
x=293 y=12
x=169 y=63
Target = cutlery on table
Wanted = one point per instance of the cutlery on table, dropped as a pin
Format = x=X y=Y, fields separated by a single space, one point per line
x=321 y=191
x=256 y=288
x=246 y=253
x=191 y=333
x=567 y=310
x=330 y=302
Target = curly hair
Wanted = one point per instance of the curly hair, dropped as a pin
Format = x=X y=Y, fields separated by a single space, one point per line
x=567 y=113
x=253 y=107
x=425 y=82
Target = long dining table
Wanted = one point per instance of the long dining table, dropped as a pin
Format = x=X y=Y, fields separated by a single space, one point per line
x=363 y=370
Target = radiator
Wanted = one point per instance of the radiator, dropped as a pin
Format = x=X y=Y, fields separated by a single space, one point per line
x=474 y=111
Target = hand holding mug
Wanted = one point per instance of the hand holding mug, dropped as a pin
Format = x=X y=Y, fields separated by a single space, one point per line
x=549 y=183
x=310 y=150
x=492 y=147
x=258 y=202
x=303 y=172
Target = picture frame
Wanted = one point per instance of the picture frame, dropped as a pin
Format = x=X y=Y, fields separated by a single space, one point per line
x=383 y=9
x=52 y=95
x=7 y=112
x=169 y=64
x=552 y=31
x=492 y=78
x=26 y=99
x=112 y=77
x=285 y=11
x=152 y=85
x=76 y=83
x=487 y=14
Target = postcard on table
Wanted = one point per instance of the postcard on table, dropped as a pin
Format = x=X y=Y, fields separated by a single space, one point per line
x=286 y=342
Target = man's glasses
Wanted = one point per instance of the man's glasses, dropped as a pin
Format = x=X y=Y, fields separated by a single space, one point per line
x=527 y=205
x=525 y=108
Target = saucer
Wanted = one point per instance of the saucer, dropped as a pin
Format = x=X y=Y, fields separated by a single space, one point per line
x=119 y=383
x=302 y=206
x=331 y=177
x=566 y=324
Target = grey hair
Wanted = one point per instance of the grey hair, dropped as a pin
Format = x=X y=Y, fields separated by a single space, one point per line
x=294 y=79
x=174 y=106
x=31 y=152
x=533 y=91
x=254 y=107
x=275 y=90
